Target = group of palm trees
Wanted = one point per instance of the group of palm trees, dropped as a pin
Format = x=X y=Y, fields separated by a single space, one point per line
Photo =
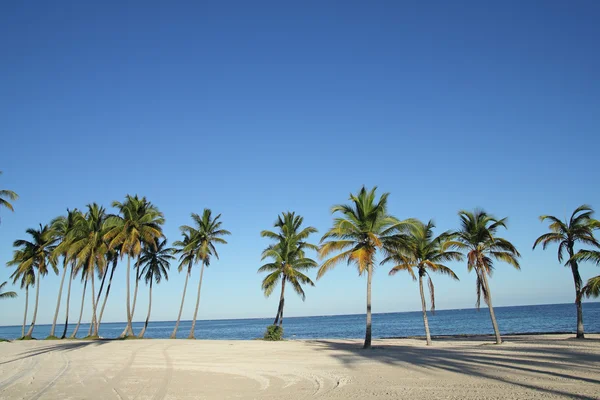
x=91 y=243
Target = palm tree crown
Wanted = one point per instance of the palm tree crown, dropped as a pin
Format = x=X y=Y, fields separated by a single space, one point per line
x=155 y=261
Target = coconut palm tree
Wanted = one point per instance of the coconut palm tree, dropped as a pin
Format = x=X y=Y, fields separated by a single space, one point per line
x=363 y=228
x=578 y=229
x=6 y=295
x=420 y=250
x=477 y=236
x=205 y=233
x=26 y=277
x=139 y=223
x=35 y=253
x=155 y=261
x=186 y=261
x=63 y=227
x=88 y=249
x=6 y=196
x=288 y=258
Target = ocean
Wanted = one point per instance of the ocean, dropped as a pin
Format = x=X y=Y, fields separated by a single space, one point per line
x=518 y=319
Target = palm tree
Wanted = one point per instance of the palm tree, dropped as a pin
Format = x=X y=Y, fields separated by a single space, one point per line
x=139 y=223
x=6 y=196
x=363 y=227
x=112 y=256
x=592 y=287
x=578 y=229
x=421 y=250
x=186 y=260
x=155 y=260
x=88 y=249
x=37 y=254
x=477 y=236
x=6 y=295
x=288 y=258
x=27 y=279
x=63 y=227
x=205 y=233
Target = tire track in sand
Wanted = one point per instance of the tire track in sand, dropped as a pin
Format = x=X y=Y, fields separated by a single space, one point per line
x=111 y=384
x=162 y=389
x=53 y=381
x=31 y=367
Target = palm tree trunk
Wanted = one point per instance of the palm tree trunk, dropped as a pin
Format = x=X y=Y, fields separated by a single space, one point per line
x=128 y=329
x=67 y=305
x=93 y=321
x=491 y=307
x=25 y=315
x=60 y=289
x=367 y=344
x=174 y=334
x=74 y=334
x=424 y=307
x=135 y=291
x=191 y=336
x=112 y=271
x=141 y=335
x=577 y=280
x=37 y=298
x=279 y=317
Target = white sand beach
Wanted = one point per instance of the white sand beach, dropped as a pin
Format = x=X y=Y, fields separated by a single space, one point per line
x=524 y=367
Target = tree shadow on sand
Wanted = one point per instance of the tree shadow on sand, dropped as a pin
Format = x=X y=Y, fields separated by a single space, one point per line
x=56 y=347
x=562 y=360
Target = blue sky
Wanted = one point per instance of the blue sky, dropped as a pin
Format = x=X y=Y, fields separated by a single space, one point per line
x=254 y=108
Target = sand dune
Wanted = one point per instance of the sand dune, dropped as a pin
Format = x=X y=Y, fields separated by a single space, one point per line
x=551 y=366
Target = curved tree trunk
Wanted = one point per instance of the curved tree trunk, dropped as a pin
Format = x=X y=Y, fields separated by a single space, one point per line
x=135 y=291
x=141 y=335
x=64 y=335
x=491 y=308
x=174 y=334
x=37 y=298
x=25 y=315
x=60 y=289
x=279 y=317
x=112 y=271
x=578 y=296
x=367 y=344
x=424 y=307
x=93 y=321
x=191 y=336
x=74 y=334
x=128 y=329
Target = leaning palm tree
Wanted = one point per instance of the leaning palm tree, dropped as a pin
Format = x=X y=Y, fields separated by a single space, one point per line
x=288 y=259
x=35 y=253
x=26 y=277
x=155 y=261
x=139 y=222
x=63 y=230
x=578 y=229
x=186 y=261
x=420 y=250
x=6 y=196
x=205 y=233
x=88 y=249
x=6 y=295
x=477 y=236
x=363 y=228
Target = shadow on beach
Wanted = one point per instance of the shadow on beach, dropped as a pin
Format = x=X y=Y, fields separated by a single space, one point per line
x=62 y=346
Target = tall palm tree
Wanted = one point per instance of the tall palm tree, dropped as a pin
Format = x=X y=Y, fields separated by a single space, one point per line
x=186 y=261
x=578 y=229
x=6 y=196
x=288 y=258
x=139 y=223
x=363 y=228
x=26 y=277
x=63 y=227
x=477 y=236
x=155 y=261
x=420 y=250
x=205 y=233
x=6 y=295
x=89 y=249
x=35 y=253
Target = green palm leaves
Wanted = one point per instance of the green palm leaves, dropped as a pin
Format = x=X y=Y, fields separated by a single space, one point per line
x=6 y=196
x=288 y=260
x=6 y=295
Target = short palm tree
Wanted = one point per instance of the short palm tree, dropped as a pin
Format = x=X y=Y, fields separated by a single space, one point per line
x=288 y=258
x=6 y=196
x=578 y=229
x=35 y=253
x=363 y=228
x=420 y=250
x=477 y=236
x=6 y=295
x=139 y=222
x=155 y=261
x=203 y=235
x=26 y=278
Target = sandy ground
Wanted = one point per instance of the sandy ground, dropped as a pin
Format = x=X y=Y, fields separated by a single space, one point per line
x=525 y=367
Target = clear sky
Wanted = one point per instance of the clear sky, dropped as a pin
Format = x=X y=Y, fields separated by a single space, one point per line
x=254 y=108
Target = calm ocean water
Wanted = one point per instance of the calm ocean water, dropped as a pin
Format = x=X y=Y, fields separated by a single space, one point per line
x=520 y=319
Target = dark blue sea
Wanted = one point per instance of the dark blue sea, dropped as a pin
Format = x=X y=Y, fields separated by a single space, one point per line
x=519 y=319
